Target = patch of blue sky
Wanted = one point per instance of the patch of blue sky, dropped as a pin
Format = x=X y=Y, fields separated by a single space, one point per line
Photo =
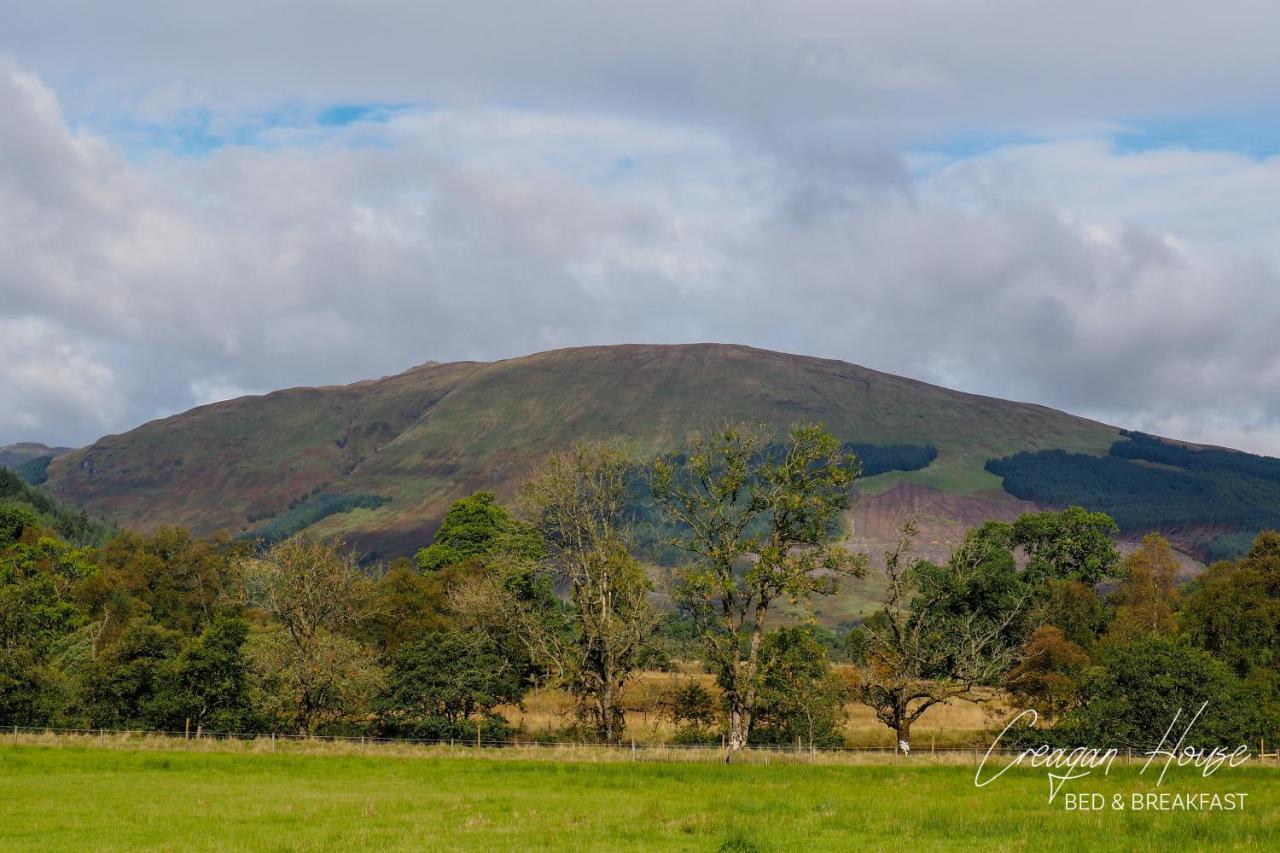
x=1257 y=135
x=1251 y=135
x=966 y=146
x=927 y=158
x=342 y=115
x=198 y=132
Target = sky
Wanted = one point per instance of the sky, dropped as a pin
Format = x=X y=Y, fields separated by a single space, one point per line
x=1074 y=204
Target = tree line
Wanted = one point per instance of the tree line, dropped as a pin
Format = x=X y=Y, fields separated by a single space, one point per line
x=166 y=631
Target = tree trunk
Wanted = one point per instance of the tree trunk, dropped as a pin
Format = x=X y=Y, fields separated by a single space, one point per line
x=739 y=727
x=904 y=737
x=742 y=702
x=604 y=709
x=614 y=724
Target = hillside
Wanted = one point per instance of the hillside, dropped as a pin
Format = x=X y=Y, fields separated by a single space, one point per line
x=13 y=455
x=394 y=452
x=29 y=459
x=76 y=526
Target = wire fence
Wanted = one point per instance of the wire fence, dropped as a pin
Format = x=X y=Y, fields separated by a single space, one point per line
x=459 y=742
x=517 y=748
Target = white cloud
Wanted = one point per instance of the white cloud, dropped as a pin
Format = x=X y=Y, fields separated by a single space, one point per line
x=53 y=383
x=1221 y=201
x=1062 y=272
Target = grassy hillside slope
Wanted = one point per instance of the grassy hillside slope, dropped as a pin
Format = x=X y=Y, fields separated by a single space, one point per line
x=424 y=437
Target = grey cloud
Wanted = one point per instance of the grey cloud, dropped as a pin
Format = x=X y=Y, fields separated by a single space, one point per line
x=891 y=68
x=133 y=290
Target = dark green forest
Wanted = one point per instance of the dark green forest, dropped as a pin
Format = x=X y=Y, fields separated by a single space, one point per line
x=306 y=513
x=1146 y=483
x=34 y=471
x=882 y=458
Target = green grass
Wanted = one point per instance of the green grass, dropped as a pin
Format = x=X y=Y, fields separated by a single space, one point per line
x=946 y=475
x=74 y=798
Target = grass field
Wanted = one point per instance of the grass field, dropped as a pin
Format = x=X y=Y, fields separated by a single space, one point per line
x=65 y=797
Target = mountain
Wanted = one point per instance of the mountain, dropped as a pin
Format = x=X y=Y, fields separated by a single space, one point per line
x=379 y=461
x=14 y=456
x=30 y=460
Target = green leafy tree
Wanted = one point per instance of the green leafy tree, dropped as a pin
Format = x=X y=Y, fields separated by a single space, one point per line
x=181 y=582
x=1130 y=700
x=476 y=526
x=206 y=686
x=1071 y=544
x=1233 y=609
x=42 y=601
x=694 y=712
x=1073 y=608
x=756 y=527
x=14 y=519
x=453 y=675
x=406 y=605
x=309 y=669
x=35 y=613
x=29 y=689
x=40 y=620
x=121 y=685
x=800 y=700
x=576 y=502
x=927 y=644
x=1147 y=600
x=980 y=583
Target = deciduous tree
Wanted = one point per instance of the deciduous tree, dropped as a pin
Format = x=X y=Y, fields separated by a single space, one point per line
x=1233 y=610
x=925 y=644
x=1047 y=675
x=801 y=699
x=1073 y=543
x=756 y=526
x=451 y=675
x=476 y=526
x=309 y=669
x=576 y=501
x=1148 y=597
x=1073 y=608
x=207 y=685
x=1131 y=699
